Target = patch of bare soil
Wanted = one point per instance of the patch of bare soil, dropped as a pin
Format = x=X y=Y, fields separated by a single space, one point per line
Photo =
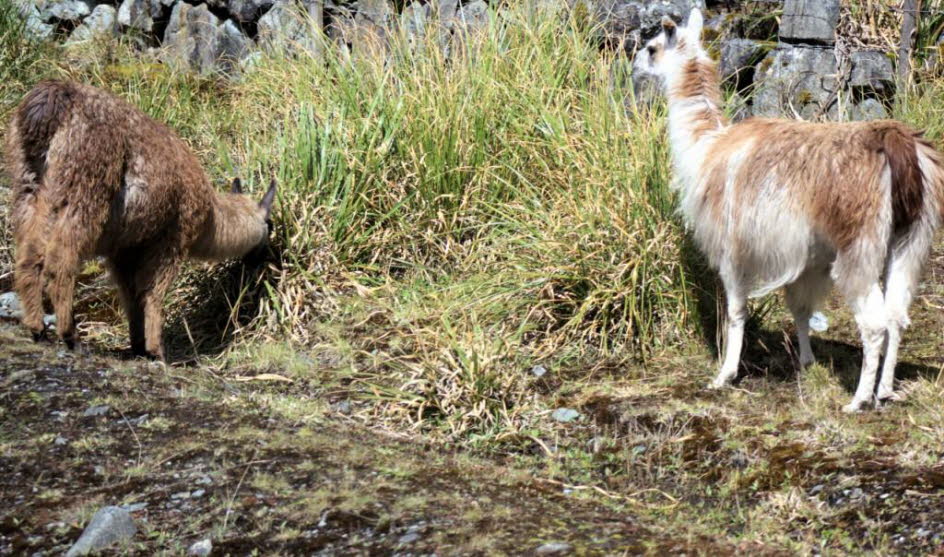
x=195 y=459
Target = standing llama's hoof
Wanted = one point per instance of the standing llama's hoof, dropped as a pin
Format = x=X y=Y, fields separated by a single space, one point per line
x=856 y=406
x=719 y=383
x=40 y=335
x=883 y=399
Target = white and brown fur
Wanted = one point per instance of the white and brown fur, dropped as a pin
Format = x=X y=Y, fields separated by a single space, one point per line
x=94 y=176
x=782 y=203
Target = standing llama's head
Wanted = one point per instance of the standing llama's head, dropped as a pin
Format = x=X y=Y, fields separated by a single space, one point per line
x=666 y=54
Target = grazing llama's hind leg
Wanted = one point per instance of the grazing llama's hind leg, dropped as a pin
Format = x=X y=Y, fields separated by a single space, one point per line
x=803 y=297
x=153 y=278
x=869 y=310
x=737 y=317
x=122 y=271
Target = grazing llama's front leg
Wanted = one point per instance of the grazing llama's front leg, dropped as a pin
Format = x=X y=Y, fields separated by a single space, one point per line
x=61 y=269
x=869 y=310
x=28 y=282
x=737 y=317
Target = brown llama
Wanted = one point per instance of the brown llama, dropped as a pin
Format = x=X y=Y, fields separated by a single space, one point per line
x=94 y=176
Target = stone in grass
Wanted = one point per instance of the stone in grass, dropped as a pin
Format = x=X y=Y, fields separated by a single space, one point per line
x=538 y=371
x=201 y=548
x=554 y=548
x=564 y=415
x=109 y=525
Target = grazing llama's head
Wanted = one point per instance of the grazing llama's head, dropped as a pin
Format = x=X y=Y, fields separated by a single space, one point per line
x=257 y=220
x=667 y=54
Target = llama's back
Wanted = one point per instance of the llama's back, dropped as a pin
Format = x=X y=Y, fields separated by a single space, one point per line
x=76 y=148
x=826 y=189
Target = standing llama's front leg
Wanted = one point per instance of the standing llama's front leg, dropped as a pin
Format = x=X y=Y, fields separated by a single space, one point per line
x=803 y=296
x=737 y=317
x=154 y=277
x=869 y=310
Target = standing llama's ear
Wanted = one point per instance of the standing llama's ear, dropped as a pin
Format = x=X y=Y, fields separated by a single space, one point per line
x=695 y=23
x=669 y=28
x=268 y=198
x=237 y=186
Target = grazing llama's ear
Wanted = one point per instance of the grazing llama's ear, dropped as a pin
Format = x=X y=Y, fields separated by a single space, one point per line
x=237 y=186
x=268 y=198
x=669 y=28
x=695 y=23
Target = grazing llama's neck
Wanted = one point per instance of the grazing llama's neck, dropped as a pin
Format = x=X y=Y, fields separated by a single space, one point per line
x=233 y=228
x=695 y=116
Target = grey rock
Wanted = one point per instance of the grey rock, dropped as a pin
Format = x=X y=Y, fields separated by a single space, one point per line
x=245 y=11
x=629 y=23
x=134 y=507
x=869 y=109
x=108 y=526
x=565 y=415
x=50 y=320
x=101 y=23
x=292 y=27
x=197 y=39
x=415 y=20
x=201 y=548
x=538 y=371
x=63 y=10
x=554 y=548
x=872 y=71
x=739 y=57
x=809 y=21
x=473 y=14
x=10 y=305
x=409 y=538
x=95 y=411
x=60 y=440
x=35 y=29
x=198 y=493
x=796 y=80
x=136 y=14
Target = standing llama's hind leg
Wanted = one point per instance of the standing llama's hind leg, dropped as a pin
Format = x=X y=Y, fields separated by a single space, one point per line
x=61 y=270
x=901 y=279
x=869 y=310
x=803 y=297
x=737 y=317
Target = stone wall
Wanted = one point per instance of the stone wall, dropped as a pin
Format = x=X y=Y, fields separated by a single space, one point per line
x=805 y=72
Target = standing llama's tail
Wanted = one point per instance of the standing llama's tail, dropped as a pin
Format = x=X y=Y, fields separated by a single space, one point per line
x=38 y=118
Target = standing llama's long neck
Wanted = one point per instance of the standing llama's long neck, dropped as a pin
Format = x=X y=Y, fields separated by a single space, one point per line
x=234 y=227
x=694 y=98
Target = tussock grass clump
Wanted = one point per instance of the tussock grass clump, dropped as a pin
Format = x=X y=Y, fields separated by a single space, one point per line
x=462 y=209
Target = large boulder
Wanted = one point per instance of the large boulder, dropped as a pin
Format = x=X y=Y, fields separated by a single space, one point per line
x=796 y=81
x=738 y=60
x=63 y=10
x=197 y=39
x=805 y=82
x=248 y=11
x=101 y=23
x=290 y=26
x=34 y=27
x=628 y=23
x=809 y=21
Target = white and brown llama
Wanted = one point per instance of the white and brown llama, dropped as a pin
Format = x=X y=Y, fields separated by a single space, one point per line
x=94 y=176
x=782 y=203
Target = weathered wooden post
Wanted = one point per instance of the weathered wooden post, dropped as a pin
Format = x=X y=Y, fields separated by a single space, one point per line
x=909 y=23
